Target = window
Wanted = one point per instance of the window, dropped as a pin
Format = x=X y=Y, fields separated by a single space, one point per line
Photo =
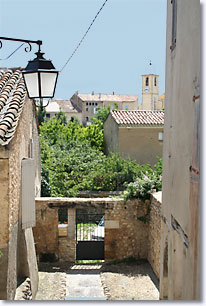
x=47 y=115
x=87 y=118
x=93 y=104
x=87 y=109
x=90 y=103
x=147 y=81
x=95 y=110
x=87 y=103
x=96 y=103
x=126 y=107
x=63 y=221
x=174 y=23
x=155 y=81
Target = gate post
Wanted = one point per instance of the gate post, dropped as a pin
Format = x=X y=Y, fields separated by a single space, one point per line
x=67 y=245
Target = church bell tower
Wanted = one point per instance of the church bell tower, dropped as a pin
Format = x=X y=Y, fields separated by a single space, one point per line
x=150 y=91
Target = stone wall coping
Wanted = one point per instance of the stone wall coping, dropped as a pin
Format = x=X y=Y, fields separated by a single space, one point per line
x=78 y=200
x=158 y=196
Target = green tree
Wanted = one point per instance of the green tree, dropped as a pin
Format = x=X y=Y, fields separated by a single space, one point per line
x=72 y=160
x=41 y=115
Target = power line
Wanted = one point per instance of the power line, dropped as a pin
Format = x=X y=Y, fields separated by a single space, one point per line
x=6 y=58
x=77 y=47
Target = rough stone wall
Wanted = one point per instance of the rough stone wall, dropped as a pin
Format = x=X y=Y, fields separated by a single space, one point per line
x=13 y=154
x=125 y=235
x=46 y=229
x=154 y=233
x=67 y=245
x=4 y=221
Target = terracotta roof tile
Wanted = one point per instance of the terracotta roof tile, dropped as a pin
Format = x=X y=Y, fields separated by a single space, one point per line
x=138 y=117
x=12 y=97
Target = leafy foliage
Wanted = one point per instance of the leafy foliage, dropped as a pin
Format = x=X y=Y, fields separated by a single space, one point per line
x=73 y=160
x=103 y=112
x=41 y=115
x=146 y=183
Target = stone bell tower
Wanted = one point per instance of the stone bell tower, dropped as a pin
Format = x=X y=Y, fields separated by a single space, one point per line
x=150 y=91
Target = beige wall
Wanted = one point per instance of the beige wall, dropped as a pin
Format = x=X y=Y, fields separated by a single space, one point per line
x=140 y=144
x=111 y=135
x=181 y=147
x=11 y=157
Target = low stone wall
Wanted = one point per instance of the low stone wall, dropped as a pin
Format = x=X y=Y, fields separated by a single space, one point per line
x=154 y=233
x=125 y=235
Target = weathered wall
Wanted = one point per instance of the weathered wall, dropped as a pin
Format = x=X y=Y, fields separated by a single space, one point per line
x=16 y=151
x=46 y=229
x=125 y=235
x=180 y=207
x=111 y=135
x=146 y=146
x=155 y=233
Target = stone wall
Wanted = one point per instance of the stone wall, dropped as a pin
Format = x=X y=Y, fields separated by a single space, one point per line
x=11 y=265
x=154 y=233
x=67 y=246
x=125 y=235
x=46 y=229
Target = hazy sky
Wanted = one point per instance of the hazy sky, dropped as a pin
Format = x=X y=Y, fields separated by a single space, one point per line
x=116 y=52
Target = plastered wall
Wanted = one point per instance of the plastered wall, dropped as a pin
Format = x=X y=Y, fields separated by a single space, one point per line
x=181 y=160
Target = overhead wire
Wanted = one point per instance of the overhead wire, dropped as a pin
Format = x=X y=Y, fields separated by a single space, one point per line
x=6 y=58
x=77 y=47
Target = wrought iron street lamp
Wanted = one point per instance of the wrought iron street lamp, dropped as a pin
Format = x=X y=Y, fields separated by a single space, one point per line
x=40 y=76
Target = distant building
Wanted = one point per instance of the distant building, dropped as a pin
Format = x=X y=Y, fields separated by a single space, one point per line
x=150 y=93
x=135 y=134
x=88 y=103
x=66 y=106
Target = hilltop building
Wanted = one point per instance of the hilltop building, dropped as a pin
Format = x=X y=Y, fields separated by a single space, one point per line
x=69 y=108
x=88 y=103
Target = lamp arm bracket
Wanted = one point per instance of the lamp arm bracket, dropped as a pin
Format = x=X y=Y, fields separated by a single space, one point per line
x=29 y=42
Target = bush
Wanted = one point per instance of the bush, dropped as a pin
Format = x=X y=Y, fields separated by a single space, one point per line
x=146 y=183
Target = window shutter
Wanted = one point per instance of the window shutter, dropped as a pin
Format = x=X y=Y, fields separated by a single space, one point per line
x=28 y=193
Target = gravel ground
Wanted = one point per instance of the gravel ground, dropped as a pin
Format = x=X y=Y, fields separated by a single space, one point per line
x=52 y=286
x=130 y=281
x=120 y=281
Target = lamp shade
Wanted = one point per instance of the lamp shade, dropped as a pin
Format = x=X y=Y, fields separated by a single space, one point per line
x=40 y=78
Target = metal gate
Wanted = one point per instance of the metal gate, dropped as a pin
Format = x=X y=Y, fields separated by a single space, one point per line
x=89 y=235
